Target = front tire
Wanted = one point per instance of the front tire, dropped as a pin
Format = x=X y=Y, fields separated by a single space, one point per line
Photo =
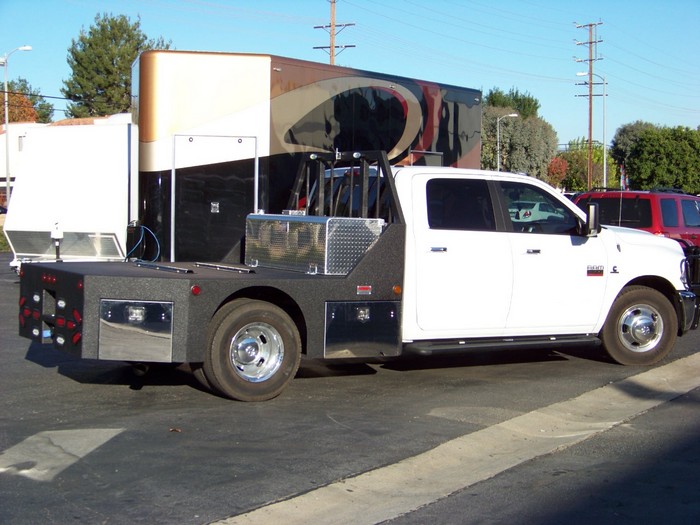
x=253 y=350
x=641 y=327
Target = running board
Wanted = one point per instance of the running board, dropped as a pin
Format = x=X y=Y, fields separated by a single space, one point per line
x=436 y=347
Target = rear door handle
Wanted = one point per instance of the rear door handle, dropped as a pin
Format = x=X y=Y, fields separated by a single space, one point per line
x=534 y=251
x=438 y=249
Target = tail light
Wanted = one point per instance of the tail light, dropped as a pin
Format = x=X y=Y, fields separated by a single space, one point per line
x=49 y=307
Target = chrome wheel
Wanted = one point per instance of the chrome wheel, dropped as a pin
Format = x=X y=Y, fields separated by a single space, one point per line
x=256 y=352
x=253 y=350
x=641 y=328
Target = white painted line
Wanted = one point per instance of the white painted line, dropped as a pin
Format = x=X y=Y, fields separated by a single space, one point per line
x=44 y=455
x=391 y=491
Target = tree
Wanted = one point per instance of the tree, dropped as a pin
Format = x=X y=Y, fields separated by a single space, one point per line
x=576 y=157
x=100 y=60
x=20 y=108
x=527 y=145
x=556 y=171
x=523 y=103
x=665 y=157
x=43 y=109
x=625 y=139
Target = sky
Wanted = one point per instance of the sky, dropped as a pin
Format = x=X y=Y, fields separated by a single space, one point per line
x=647 y=52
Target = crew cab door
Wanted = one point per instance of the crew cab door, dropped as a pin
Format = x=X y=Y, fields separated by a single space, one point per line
x=463 y=270
x=559 y=276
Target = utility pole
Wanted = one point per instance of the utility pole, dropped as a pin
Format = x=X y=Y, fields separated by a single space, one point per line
x=592 y=44
x=333 y=30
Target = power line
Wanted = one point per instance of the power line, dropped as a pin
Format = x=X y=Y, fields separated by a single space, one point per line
x=28 y=95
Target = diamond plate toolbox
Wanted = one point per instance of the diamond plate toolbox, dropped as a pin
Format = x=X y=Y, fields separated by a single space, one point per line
x=324 y=245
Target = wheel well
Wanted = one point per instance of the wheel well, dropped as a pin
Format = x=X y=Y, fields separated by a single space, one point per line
x=278 y=298
x=662 y=286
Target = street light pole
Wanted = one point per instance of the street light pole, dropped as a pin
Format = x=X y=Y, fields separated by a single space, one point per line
x=8 y=189
x=605 y=146
x=498 y=138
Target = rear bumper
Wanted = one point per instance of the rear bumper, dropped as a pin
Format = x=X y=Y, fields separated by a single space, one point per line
x=690 y=311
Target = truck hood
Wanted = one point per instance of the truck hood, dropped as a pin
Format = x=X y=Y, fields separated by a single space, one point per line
x=643 y=238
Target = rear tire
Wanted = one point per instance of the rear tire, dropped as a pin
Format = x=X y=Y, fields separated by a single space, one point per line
x=641 y=327
x=253 y=350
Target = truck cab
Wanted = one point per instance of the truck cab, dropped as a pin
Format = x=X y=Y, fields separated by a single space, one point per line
x=476 y=269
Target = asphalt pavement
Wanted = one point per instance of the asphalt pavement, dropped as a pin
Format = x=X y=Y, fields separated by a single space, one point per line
x=91 y=442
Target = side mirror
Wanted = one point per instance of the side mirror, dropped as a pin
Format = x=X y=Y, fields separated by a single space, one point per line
x=592 y=220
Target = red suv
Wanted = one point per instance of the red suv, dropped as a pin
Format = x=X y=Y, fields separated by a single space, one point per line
x=670 y=213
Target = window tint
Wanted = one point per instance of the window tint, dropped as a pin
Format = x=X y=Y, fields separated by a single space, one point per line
x=691 y=212
x=633 y=213
x=669 y=213
x=533 y=210
x=455 y=204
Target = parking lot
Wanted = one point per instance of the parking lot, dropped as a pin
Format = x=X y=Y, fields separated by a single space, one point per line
x=91 y=442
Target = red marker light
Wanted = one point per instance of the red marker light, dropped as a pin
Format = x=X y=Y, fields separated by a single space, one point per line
x=196 y=290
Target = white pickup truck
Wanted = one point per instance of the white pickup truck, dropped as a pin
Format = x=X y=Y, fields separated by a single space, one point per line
x=373 y=262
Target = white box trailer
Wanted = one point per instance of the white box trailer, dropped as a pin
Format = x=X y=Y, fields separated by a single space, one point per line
x=74 y=185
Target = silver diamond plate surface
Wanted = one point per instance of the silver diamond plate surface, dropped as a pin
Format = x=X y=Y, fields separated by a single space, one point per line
x=324 y=245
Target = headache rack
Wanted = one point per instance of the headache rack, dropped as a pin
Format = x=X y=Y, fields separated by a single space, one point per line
x=346 y=184
x=340 y=205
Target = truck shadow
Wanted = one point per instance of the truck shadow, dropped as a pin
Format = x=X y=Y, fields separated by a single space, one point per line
x=91 y=371
x=495 y=357
x=465 y=359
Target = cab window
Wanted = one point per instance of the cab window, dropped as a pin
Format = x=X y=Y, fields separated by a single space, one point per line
x=458 y=204
x=532 y=210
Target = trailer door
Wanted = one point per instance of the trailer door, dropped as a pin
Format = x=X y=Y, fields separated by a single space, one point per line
x=212 y=192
